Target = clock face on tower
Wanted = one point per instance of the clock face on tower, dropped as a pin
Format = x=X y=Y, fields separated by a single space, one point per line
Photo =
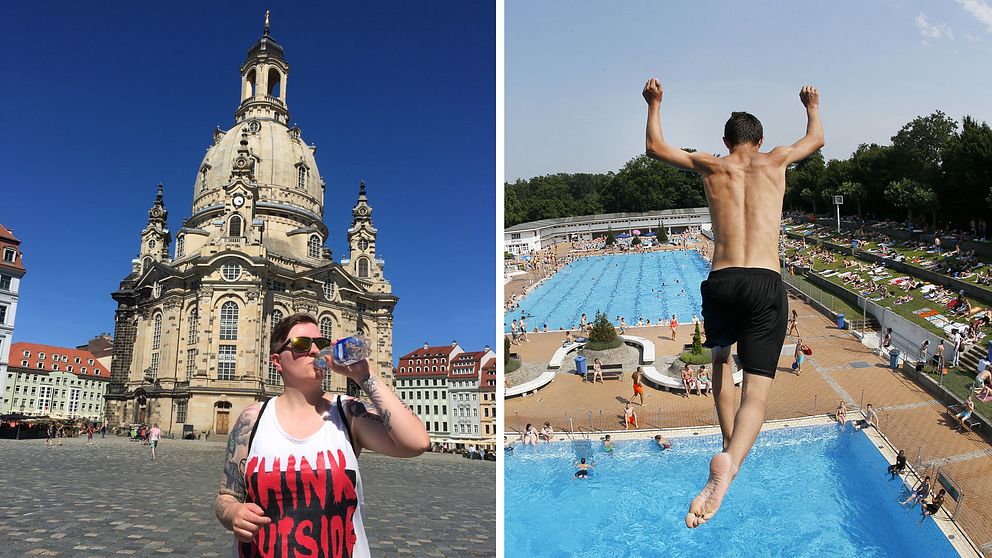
x=238 y=200
x=362 y=211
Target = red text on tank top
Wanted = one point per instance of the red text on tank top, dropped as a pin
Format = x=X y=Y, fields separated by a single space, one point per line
x=311 y=507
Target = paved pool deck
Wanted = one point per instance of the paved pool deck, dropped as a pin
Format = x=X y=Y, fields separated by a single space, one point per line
x=841 y=368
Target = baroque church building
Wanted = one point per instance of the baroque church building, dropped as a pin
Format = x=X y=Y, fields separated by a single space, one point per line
x=194 y=317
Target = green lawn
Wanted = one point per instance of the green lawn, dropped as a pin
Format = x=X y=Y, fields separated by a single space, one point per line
x=957 y=381
x=905 y=310
x=908 y=254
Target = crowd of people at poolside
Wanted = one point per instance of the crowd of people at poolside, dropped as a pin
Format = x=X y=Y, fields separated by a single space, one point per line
x=944 y=254
x=519 y=329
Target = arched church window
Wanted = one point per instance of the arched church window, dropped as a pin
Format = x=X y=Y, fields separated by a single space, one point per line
x=180 y=246
x=329 y=288
x=301 y=177
x=250 y=84
x=274 y=320
x=313 y=247
x=275 y=83
x=234 y=227
x=151 y=244
x=203 y=179
x=157 y=332
x=326 y=331
x=229 y=321
x=363 y=267
x=192 y=322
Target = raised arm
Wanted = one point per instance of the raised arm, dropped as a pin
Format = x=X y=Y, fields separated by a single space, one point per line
x=655 y=146
x=813 y=140
x=244 y=519
x=391 y=428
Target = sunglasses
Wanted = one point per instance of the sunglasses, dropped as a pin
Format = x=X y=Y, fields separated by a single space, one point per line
x=303 y=344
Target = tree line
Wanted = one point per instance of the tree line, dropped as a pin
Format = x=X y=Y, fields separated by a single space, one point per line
x=934 y=171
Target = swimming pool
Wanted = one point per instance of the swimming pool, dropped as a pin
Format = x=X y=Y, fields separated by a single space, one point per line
x=811 y=491
x=649 y=285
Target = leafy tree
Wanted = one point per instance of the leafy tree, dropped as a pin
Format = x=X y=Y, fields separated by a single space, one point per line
x=644 y=184
x=853 y=192
x=697 y=341
x=921 y=143
x=513 y=211
x=967 y=170
x=802 y=181
x=602 y=330
x=910 y=195
x=635 y=241
x=662 y=235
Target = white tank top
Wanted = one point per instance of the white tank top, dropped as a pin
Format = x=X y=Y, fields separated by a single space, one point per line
x=310 y=488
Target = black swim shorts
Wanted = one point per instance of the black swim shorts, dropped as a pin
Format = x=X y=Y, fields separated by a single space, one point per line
x=747 y=306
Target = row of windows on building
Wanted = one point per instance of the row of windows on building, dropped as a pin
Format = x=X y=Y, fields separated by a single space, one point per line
x=34 y=379
x=48 y=388
x=45 y=402
x=427 y=382
x=56 y=357
x=227 y=353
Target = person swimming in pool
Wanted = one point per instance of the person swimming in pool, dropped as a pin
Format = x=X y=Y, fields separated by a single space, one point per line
x=744 y=298
x=583 y=468
x=608 y=443
x=662 y=442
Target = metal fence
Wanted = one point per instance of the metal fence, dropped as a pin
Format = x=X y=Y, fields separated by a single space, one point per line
x=818 y=297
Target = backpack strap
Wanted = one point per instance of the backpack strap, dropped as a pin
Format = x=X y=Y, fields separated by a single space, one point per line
x=254 y=427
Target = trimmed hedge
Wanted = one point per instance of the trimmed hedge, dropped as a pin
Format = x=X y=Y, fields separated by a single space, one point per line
x=594 y=346
x=702 y=358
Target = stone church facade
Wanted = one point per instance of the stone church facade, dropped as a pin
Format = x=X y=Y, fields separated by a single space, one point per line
x=194 y=316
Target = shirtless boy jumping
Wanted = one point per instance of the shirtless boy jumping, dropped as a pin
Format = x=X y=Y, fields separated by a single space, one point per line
x=744 y=300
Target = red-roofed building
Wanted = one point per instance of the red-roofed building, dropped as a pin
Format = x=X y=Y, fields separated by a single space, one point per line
x=11 y=272
x=465 y=398
x=57 y=381
x=422 y=383
x=487 y=393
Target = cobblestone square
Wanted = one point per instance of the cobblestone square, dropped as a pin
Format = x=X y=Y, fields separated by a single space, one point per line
x=110 y=499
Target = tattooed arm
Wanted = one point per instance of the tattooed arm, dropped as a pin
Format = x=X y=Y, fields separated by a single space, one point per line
x=243 y=519
x=390 y=428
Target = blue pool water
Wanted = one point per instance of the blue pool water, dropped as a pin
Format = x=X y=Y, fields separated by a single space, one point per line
x=812 y=491
x=628 y=285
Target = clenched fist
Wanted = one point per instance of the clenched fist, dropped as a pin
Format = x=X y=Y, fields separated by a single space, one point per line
x=809 y=96
x=652 y=91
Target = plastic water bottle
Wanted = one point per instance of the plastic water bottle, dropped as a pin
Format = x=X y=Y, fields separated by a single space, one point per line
x=346 y=351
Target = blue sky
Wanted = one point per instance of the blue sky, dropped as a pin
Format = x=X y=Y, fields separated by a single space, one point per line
x=574 y=71
x=104 y=101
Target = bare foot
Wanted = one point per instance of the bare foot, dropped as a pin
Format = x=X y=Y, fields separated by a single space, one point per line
x=705 y=505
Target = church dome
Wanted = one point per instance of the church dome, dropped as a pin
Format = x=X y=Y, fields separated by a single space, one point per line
x=284 y=166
